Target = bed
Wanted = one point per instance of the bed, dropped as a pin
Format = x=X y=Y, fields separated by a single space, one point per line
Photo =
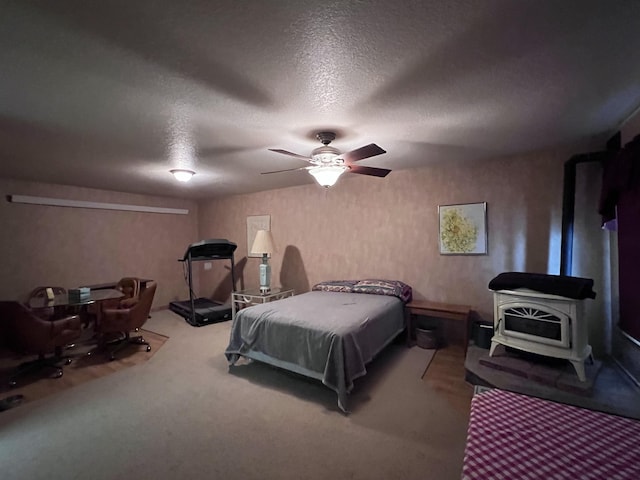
x=516 y=436
x=328 y=334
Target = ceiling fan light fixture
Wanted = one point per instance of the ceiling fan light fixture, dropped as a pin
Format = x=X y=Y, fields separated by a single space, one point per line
x=182 y=175
x=325 y=151
x=327 y=176
x=328 y=163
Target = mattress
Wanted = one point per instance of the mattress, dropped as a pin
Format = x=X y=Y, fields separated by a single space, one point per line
x=329 y=336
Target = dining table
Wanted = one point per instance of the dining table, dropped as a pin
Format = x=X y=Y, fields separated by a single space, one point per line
x=63 y=304
x=65 y=300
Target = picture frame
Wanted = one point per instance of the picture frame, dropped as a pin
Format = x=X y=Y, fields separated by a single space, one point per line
x=462 y=229
x=255 y=223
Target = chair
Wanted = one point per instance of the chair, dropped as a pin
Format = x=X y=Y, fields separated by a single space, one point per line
x=124 y=321
x=30 y=333
x=49 y=312
x=130 y=286
x=41 y=292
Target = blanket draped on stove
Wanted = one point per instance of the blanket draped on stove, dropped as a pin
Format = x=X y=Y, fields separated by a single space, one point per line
x=570 y=287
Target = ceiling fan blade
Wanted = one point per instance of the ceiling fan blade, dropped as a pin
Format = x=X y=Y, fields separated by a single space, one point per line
x=284 y=152
x=286 y=170
x=361 y=153
x=375 y=172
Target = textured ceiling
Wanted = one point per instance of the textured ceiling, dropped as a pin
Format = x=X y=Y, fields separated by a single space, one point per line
x=113 y=94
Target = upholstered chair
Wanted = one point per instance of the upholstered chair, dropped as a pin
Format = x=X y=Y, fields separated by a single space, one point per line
x=31 y=334
x=41 y=292
x=124 y=320
x=130 y=286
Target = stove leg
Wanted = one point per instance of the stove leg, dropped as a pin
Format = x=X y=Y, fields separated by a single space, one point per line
x=494 y=345
x=579 y=366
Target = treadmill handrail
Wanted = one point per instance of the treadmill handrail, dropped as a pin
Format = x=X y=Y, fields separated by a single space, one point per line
x=212 y=249
x=199 y=259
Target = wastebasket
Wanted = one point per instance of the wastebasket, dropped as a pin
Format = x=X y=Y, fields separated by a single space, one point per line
x=484 y=333
x=427 y=338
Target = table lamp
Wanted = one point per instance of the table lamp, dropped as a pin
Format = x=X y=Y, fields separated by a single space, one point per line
x=263 y=244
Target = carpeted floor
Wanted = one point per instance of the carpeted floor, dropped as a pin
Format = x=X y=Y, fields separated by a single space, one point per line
x=82 y=369
x=446 y=375
x=185 y=414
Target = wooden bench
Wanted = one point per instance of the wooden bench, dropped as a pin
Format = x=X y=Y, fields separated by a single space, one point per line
x=439 y=310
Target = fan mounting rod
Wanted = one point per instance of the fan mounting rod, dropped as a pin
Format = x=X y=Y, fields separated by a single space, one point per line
x=326 y=137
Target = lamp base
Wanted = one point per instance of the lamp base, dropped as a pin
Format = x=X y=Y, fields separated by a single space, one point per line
x=265 y=276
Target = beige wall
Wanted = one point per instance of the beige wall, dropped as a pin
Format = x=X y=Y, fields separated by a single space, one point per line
x=388 y=228
x=363 y=227
x=46 y=245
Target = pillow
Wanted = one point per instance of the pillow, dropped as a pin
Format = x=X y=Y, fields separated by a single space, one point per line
x=395 y=288
x=344 y=286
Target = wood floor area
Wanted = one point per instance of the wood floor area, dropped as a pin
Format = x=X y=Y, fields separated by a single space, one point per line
x=446 y=374
x=82 y=369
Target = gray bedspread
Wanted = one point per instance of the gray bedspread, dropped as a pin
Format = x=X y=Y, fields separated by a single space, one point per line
x=329 y=336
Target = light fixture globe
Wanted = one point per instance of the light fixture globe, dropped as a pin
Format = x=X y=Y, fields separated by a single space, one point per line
x=182 y=175
x=325 y=154
x=327 y=176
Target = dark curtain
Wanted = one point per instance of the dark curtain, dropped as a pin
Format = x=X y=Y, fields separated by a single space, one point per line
x=620 y=201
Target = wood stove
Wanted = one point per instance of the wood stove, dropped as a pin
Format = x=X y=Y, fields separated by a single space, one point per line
x=539 y=320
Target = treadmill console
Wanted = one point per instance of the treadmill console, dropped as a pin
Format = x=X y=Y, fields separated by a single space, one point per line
x=210 y=250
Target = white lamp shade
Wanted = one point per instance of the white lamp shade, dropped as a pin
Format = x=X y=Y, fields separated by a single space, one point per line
x=183 y=175
x=327 y=176
x=263 y=243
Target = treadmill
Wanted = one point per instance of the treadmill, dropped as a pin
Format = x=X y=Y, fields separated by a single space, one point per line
x=204 y=311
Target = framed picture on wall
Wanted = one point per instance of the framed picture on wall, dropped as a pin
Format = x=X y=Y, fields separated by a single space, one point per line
x=255 y=223
x=463 y=229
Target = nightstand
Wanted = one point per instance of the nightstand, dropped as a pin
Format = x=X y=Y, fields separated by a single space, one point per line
x=447 y=311
x=245 y=298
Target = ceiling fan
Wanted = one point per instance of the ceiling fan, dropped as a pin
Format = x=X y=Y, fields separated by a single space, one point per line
x=327 y=163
